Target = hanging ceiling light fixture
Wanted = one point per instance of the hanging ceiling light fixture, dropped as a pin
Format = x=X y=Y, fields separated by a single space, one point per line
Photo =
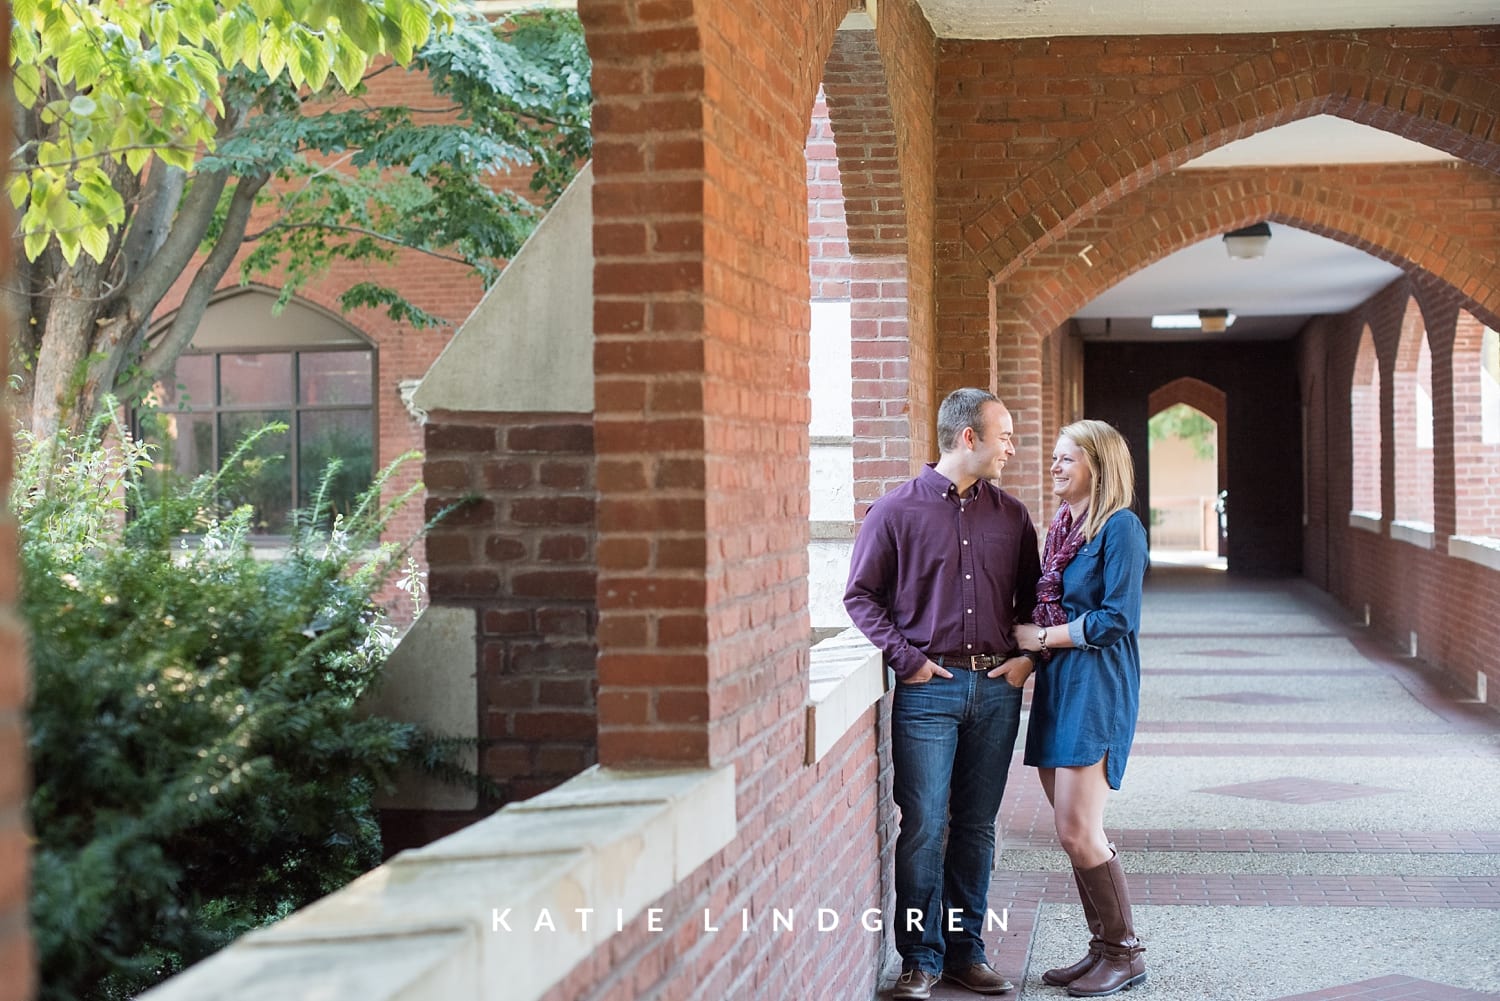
x=1248 y=243
x=1214 y=321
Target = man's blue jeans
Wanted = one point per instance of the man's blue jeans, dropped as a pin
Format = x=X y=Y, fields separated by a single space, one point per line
x=951 y=744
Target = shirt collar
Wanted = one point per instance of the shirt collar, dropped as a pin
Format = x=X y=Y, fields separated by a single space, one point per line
x=943 y=486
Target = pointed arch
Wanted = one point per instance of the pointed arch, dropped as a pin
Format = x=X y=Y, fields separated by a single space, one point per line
x=1412 y=426
x=1204 y=397
x=1176 y=213
x=1365 y=470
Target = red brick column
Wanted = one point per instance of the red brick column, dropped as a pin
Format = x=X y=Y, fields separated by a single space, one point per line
x=519 y=548
x=865 y=132
x=18 y=981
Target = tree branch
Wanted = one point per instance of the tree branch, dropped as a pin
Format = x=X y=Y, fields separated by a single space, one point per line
x=153 y=215
x=196 y=212
x=359 y=230
x=155 y=278
x=195 y=301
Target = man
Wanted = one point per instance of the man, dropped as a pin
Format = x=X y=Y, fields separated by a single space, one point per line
x=943 y=566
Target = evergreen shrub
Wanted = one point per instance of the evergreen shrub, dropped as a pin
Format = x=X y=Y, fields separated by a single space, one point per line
x=201 y=762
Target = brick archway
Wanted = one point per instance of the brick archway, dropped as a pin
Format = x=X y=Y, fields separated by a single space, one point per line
x=1409 y=91
x=1178 y=212
x=1185 y=208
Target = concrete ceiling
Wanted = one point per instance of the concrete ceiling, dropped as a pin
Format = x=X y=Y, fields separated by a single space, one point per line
x=1302 y=275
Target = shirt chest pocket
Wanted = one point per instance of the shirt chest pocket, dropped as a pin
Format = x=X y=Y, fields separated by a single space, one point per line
x=997 y=552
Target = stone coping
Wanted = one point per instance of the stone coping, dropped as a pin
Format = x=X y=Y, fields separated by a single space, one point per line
x=1481 y=549
x=502 y=909
x=1416 y=533
x=847 y=677
x=1366 y=521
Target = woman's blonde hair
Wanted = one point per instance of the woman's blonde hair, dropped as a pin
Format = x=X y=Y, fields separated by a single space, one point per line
x=1111 y=470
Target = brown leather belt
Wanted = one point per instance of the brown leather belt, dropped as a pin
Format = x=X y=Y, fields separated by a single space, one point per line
x=973 y=662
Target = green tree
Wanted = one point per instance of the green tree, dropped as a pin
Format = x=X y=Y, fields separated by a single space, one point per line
x=1187 y=423
x=153 y=137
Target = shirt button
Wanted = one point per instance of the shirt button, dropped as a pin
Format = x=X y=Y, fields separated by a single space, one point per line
x=966 y=542
x=969 y=610
x=968 y=576
x=969 y=646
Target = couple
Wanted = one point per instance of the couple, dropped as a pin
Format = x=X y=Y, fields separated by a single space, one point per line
x=945 y=580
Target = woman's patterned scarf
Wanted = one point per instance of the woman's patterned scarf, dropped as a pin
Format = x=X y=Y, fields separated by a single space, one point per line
x=1064 y=539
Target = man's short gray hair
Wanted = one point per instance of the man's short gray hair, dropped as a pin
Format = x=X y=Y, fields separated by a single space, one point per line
x=964 y=408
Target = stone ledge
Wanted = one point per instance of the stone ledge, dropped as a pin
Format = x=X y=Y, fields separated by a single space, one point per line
x=1416 y=533
x=491 y=912
x=1481 y=549
x=847 y=677
x=1366 y=521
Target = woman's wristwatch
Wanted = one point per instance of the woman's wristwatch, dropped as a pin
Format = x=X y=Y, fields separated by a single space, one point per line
x=1041 y=638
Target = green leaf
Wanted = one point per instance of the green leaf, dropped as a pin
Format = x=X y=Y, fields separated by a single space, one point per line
x=20 y=190
x=69 y=244
x=82 y=105
x=36 y=241
x=95 y=241
x=274 y=51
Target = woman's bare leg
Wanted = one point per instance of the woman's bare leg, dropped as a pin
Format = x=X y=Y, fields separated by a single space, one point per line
x=1078 y=796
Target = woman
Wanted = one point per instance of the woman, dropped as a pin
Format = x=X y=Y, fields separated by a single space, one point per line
x=1087 y=693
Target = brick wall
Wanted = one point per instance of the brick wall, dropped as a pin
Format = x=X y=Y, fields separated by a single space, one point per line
x=1261 y=424
x=874 y=205
x=519 y=548
x=1449 y=603
x=909 y=56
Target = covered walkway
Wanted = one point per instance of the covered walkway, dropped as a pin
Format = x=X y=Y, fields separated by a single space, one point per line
x=1305 y=815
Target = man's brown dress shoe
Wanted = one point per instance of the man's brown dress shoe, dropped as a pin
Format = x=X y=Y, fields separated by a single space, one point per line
x=914 y=985
x=980 y=978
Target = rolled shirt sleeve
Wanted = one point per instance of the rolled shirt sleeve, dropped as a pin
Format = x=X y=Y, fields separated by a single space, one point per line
x=1123 y=566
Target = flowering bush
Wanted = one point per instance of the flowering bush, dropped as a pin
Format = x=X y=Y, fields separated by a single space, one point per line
x=202 y=765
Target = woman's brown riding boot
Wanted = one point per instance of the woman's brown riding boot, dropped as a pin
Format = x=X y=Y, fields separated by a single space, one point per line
x=1120 y=964
x=1065 y=975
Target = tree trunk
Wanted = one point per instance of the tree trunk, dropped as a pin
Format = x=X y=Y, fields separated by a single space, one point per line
x=66 y=344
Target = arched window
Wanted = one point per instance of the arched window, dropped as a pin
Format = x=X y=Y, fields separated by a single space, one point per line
x=247 y=368
x=1364 y=428
x=1412 y=399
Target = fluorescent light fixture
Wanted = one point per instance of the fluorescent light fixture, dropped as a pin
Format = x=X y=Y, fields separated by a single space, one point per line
x=1248 y=243
x=1210 y=321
